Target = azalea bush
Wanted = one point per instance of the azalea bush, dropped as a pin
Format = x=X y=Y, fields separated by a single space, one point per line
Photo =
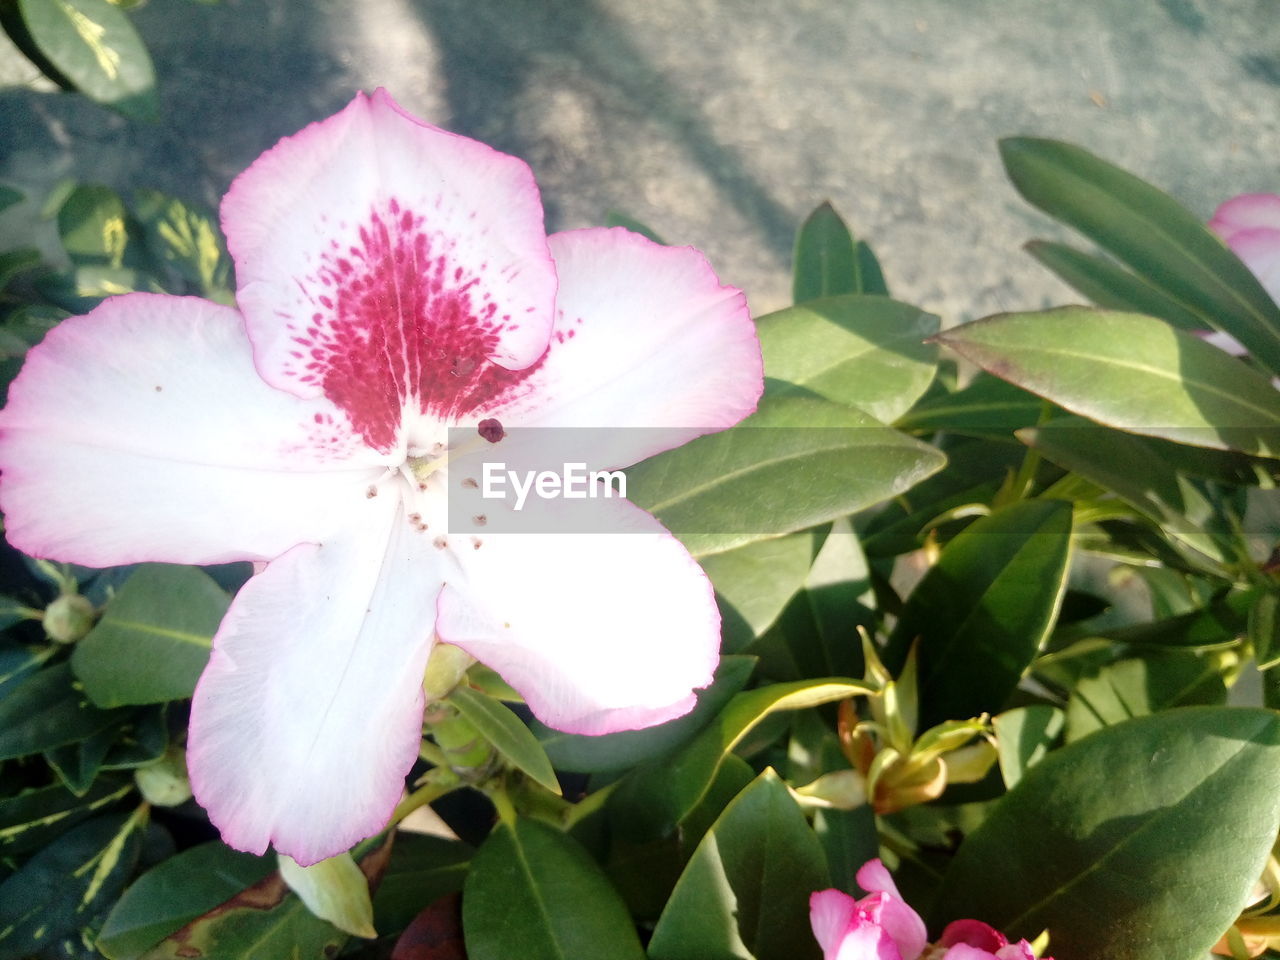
x=389 y=578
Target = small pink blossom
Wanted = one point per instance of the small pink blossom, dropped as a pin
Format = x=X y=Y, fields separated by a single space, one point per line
x=396 y=288
x=881 y=926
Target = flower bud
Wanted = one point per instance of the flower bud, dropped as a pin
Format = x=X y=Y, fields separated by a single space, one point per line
x=68 y=618
x=164 y=783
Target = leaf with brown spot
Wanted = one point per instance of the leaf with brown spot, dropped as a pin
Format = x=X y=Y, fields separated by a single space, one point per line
x=267 y=920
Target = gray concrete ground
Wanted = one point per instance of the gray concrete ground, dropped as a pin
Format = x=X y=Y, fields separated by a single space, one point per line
x=718 y=122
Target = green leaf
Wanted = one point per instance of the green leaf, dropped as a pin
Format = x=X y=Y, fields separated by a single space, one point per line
x=797 y=462
x=266 y=920
x=1131 y=372
x=616 y=218
x=824 y=262
x=93 y=47
x=94 y=227
x=334 y=889
x=15 y=262
x=153 y=639
x=983 y=610
x=188 y=239
x=68 y=883
x=507 y=733
x=169 y=896
x=1264 y=629
x=85 y=287
x=619 y=751
x=1111 y=286
x=861 y=351
x=1024 y=737
x=1135 y=687
x=77 y=764
x=18 y=661
x=988 y=406
x=1164 y=243
x=1140 y=842
x=754 y=582
x=45 y=711
x=31 y=819
x=534 y=893
x=656 y=796
x=1132 y=469
x=745 y=892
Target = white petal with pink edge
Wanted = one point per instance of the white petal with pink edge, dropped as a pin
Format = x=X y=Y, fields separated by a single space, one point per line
x=598 y=631
x=141 y=431
x=1245 y=212
x=387 y=265
x=1259 y=248
x=309 y=714
x=647 y=343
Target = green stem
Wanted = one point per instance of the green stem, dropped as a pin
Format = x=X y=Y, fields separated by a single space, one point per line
x=433 y=789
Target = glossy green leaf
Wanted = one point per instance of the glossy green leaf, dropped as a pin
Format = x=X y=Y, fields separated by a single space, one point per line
x=1134 y=471
x=46 y=710
x=983 y=610
x=507 y=733
x=988 y=406
x=619 y=751
x=797 y=462
x=754 y=582
x=1131 y=372
x=177 y=891
x=534 y=893
x=265 y=920
x=1138 y=686
x=187 y=239
x=1264 y=629
x=824 y=261
x=68 y=883
x=77 y=764
x=32 y=818
x=658 y=795
x=18 y=661
x=1111 y=286
x=86 y=286
x=1163 y=242
x=153 y=639
x=1024 y=737
x=1140 y=842
x=862 y=351
x=745 y=891
x=93 y=46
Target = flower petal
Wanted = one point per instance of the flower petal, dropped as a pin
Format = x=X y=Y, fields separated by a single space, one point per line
x=646 y=337
x=142 y=432
x=390 y=266
x=1245 y=212
x=975 y=933
x=1017 y=951
x=309 y=714
x=598 y=631
x=1259 y=248
x=962 y=951
x=830 y=914
x=902 y=922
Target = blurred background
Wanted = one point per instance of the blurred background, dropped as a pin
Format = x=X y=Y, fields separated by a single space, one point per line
x=719 y=123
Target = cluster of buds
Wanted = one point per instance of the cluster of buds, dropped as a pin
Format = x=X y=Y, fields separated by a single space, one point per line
x=892 y=768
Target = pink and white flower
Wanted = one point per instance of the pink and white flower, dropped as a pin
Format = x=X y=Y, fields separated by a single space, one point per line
x=1250 y=225
x=394 y=281
x=881 y=926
